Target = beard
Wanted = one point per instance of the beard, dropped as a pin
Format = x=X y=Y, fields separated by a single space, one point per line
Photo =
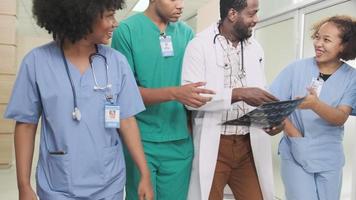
x=242 y=31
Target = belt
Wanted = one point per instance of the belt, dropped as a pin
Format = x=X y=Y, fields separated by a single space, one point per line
x=228 y=133
x=234 y=136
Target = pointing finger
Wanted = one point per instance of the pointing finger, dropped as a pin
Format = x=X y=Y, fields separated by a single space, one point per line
x=204 y=91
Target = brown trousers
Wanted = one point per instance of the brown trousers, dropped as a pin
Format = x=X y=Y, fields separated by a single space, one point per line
x=235 y=167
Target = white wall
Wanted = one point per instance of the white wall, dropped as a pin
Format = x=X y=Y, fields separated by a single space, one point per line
x=207 y=15
x=284 y=34
x=274 y=7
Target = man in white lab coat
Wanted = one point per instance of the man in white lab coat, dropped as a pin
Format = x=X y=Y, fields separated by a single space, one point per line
x=231 y=63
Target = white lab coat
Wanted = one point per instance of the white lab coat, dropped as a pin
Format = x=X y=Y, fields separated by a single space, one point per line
x=203 y=61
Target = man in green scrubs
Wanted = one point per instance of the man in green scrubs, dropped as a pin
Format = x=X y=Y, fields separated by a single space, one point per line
x=154 y=43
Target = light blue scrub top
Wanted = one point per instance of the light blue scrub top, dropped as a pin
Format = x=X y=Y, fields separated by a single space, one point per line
x=321 y=147
x=92 y=166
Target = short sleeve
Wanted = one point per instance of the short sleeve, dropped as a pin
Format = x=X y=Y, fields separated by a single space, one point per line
x=349 y=97
x=121 y=41
x=281 y=86
x=25 y=102
x=129 y=99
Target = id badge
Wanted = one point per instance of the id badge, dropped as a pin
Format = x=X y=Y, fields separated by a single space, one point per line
x=317 y=84
x=112 y=116
x=166 y=46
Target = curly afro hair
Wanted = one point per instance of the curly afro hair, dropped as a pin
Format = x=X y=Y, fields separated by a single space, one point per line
x=347 y=27
x=71 y=19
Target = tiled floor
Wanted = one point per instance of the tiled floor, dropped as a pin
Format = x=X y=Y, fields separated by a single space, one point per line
x=8 y=186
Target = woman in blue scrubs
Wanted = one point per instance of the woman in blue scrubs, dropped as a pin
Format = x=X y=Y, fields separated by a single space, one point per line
x=311 y=149
x=86 y=97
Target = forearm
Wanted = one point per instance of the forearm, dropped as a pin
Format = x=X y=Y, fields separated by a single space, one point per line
x=336 y=116
x=253 y=96
x=131 y=136
x=291 y=130
x=236 y=95
x=220 y=101
x=157 y=95
x=24 y=147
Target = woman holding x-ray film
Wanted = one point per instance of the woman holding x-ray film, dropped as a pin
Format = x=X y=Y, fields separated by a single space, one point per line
x=84 y=92
x=311 y=150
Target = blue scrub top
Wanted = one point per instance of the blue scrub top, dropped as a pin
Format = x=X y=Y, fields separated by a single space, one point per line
x=92 y=164
x=321 y=147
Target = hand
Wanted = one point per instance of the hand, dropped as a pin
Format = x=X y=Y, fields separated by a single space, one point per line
x=145 y=191
x=275 y=129
x=290 y=130
x=27 y=193
x=190 y=94
x=253 y=96
x=310 y=101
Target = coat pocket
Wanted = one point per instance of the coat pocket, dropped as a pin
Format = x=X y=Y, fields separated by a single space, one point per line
x=59 y=172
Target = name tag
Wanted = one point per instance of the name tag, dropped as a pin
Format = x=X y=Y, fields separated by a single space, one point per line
x=317 y=85
x=112 y=116
x=166 y=45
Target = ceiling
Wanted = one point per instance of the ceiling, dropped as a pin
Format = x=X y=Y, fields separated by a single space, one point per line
x=27 y=26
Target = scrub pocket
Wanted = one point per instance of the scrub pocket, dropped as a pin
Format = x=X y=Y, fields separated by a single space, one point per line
x=284 y=149
x=300 y=149
x=113 y=162
x=59 y=173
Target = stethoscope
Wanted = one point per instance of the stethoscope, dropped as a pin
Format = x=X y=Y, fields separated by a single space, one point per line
x=76 y=114
x=242 y=57
x=242 y=52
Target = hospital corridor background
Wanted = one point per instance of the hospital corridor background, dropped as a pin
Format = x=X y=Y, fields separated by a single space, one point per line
x=283 y=32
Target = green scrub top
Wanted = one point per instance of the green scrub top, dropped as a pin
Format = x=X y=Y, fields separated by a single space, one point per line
x=138 y=38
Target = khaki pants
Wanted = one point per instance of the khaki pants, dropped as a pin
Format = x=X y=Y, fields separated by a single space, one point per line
x=235 y=167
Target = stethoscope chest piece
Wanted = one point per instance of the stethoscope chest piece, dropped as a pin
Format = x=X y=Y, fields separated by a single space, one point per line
x=76 y=114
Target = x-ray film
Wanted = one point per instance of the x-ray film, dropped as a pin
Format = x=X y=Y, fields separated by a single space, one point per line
x=267 y=115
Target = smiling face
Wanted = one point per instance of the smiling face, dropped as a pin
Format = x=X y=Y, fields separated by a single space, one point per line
x=327 y=43
x=246 y=20
x=169 y=10
x=103 y=28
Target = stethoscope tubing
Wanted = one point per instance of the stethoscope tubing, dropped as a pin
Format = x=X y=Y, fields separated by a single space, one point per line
x=76 y=112
x=242 y=51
